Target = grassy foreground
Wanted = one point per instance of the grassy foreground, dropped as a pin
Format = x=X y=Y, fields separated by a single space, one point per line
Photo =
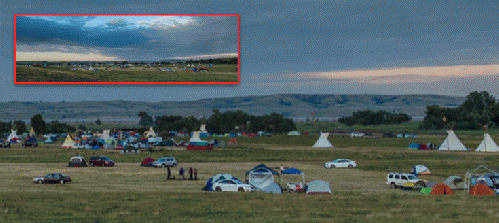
x=248 y=207
x=220 y=73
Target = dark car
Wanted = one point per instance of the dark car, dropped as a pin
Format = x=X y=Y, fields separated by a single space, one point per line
x=165 y=143
x=30 y=142
x=52 y=178
x=100 y=161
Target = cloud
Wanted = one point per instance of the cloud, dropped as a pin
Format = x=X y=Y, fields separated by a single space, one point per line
x=58 y=56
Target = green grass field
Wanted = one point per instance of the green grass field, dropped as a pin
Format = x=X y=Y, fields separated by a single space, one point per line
x=129 y=193
x=218 y=73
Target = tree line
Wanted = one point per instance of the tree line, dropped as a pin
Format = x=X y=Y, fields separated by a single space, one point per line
x=39 y=126
x=369 y=117
x=480 y=110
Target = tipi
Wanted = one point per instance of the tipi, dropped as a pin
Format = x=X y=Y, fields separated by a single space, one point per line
x=13 y=135
x=202 y=129
x=487 y=145
x=32 y=132
x=452 y=143
x=105 y=135
x=150 y=133
x=323 y=142
x=195 y=137
x=68 y=143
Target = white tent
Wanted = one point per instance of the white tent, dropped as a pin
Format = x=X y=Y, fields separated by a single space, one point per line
x=452 y=143
x=195 y=137
x=150 y=133
x=487 y=145
x=105 y=135
x=323 y=142
x=293 y=133
x=202 y=129
x=32 y=132
x=68 y=143
x=90 y=68
x=420 y=169
x=318 y=187
x=13 y=135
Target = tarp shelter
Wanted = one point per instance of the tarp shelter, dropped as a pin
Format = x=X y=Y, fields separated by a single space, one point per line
x=455 y=182
x=440 y=189
x=420 y=170
x=216 y=178
x=323 y=142
x=487 y=145
x=69 y=143
x=481 y=189
x=452 y=143
x=473 y=176
x=261 y=176
x=318 y=187
x=413 y=146
x=291 y=172
x=147 y=161
x=293 y=133
x=273 y=188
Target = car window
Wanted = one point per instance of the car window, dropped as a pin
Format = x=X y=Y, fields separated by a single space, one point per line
x=404 y=178
x=390 y=176
x=412 y=177
x=397 y=177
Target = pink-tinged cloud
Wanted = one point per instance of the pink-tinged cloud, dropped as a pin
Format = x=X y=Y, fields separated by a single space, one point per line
x=413 y=74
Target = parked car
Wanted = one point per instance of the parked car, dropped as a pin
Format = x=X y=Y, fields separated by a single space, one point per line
x=399 y=179
x=100 y=161
x=340 y=163
x=77 y=161
x=165 y=161
x=165 y=143
x=52 y=178
x=232 y=185
x=357 y=134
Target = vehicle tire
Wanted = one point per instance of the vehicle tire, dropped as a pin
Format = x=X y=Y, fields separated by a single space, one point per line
x=393 y=185
x=332 y=166
x=240 y=189
x=40 y=181
x=174 y=165
x=218 y=189
x=163 y=165
x=62 y=181
x=350 y=166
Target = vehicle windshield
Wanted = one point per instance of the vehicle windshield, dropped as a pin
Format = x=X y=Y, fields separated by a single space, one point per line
x=161 y=160
x=105 y=159
x=412 y=177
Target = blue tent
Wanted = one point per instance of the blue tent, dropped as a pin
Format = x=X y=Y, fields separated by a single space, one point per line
x=413 y=146
x=292 y=171
x=261 y=168
x=96 y=147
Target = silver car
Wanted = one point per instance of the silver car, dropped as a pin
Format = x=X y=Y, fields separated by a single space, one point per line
x=165 y=161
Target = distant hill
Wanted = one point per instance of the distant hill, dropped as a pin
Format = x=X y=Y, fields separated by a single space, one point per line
x=290 y=105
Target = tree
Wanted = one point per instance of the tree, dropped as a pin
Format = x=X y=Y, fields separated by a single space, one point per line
x=39 y=124
x=145 y=119
x=5 y=127
x=82 y=127
x=20 y=126
x=98 y=122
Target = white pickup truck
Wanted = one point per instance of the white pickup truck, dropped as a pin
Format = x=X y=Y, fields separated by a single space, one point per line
x=398 y=179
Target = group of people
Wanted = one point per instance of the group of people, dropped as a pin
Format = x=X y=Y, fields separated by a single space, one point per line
x=193 y=173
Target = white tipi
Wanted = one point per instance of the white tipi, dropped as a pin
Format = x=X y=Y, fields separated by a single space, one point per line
x=150 y=133
x=487 y=145
x=452 y=143
x=68 y=143
x=202 y=129
x=195 y=137
x=105 y=135
x=323 y=142
x=13 y=135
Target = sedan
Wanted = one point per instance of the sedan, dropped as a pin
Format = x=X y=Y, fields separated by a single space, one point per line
x=232 y=185
x=340 y=163
x=52 y=178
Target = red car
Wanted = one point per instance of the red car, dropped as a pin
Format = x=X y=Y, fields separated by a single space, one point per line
x=100 y=161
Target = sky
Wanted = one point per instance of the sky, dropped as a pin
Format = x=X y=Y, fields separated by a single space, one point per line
x=289 y=46
x=124 y=38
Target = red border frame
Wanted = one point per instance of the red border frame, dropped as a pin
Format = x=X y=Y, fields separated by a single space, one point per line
x=238 y=47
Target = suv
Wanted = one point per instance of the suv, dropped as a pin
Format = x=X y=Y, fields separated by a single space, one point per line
x=398 y=179
x=165 y=161
x=100 y=161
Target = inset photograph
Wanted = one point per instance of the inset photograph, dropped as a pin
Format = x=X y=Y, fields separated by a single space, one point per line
x=126 y=49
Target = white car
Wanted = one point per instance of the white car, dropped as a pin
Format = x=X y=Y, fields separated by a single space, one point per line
x=399 y=179
x=357 y=134
x=340 y=163
x=165 y=161
x=232 y=185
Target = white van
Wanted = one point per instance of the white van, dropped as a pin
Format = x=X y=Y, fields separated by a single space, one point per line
x=398 y=179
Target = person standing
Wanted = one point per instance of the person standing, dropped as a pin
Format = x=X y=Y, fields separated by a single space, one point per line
x=169 y=172
x=190 y=173
x=282 y=168
x=181 y=173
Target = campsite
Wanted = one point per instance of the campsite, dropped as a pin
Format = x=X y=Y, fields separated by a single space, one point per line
x=118 y=190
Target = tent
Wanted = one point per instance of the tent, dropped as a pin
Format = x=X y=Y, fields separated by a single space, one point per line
x=13 y=136
x=216 y=178
x=32 y=132
x=195 y=137
x=455 y=182
x=318 y=187
x=487 y=145
x=479 y=174
x=273 y=188
x=323 y=142
x=452 y=143
x=233 y=141
x=423 y=147
x=150 y=133
x=202 y=129
x=481 y=189
x=105 y=135
x=77 y=161
x=261 y=176
x=69 y=143
x=147 y=161
x=293 y=133
x=413 y=146
x=292 y=171
x=425 y=190
x=440 y=189
x=420 y=170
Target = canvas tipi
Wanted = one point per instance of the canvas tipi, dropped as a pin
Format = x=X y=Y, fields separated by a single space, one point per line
x=195 y=137
x=452 y=143
x=487 y=145
x=69 y=143
x=105 y=135
x=32 y=132
x=202 y=129
x=150 y=133
x=13 y=135
x=323 y=142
